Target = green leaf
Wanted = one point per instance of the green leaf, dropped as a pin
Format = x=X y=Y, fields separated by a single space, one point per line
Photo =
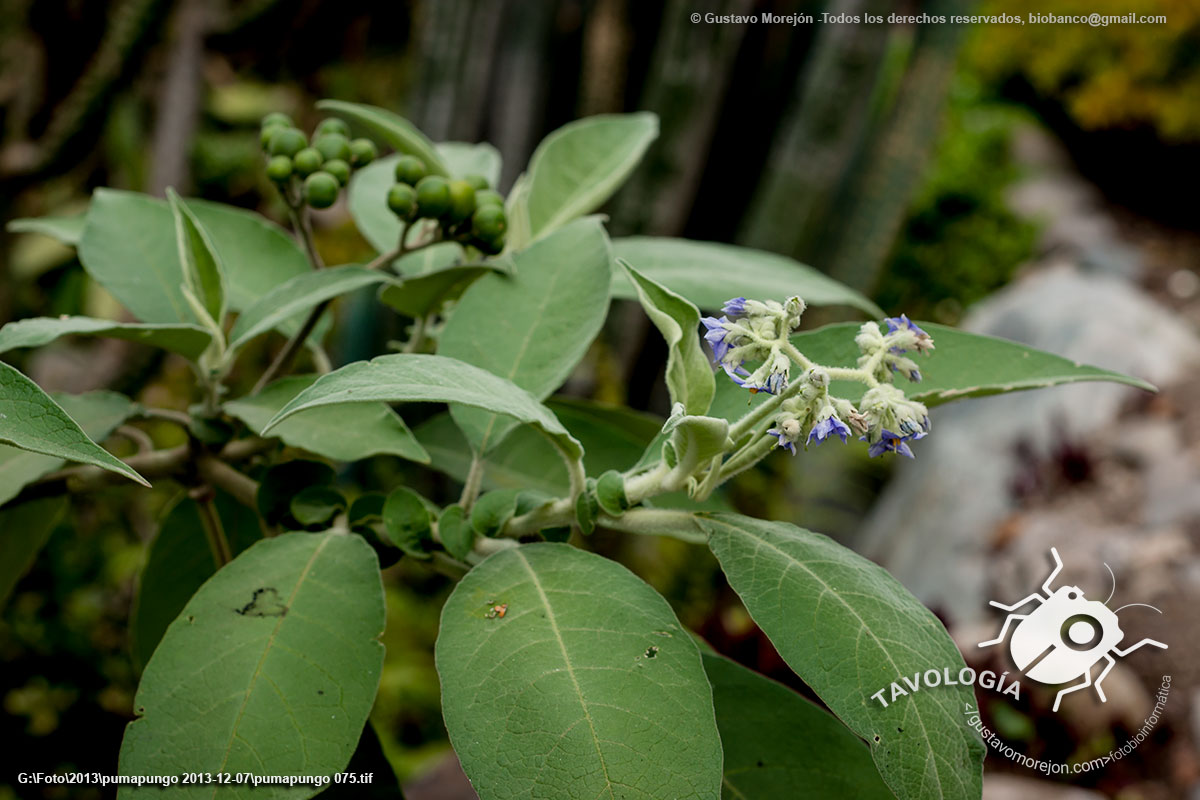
x=697 y=440
x=299 y=295
x=689 y=371
x=587 y=687
x=579 y=166
x=66 y=230
x=422 y=294
x=98 y=414
x=24 y=531
x=803 y=589
x=612 y=437
x=32 y=421
x=187 y=340
x=962 y=365
x=271 y=669
x=534 y=327
x=178 y=561
x=395 y=131
x=203 y=273
x=367 y=199
x=274 y=497
x=775 y=741
x=317 y=505
x=430 y=379
x=347 y=433
x=494 y=509
x=708 y=274
x=610 y=493
x=464 y=159
x=456 y=533
x=408 y=522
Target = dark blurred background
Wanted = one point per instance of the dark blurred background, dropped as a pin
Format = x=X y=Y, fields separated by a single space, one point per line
x=1035 y=182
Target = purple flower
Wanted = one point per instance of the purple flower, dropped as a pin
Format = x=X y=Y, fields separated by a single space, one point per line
x=715 y=336
x=826 y=428
x=735 y=307
x=775 y=383
x=896 y=323
x=894 y=443
x=783 y=442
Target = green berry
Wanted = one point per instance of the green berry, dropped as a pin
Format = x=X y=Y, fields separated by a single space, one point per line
x=410 y=170
x=488 y=197
x=307 y=161
x=363 y=152
x=333 y=145
x=277 y=118
x=489 y=223
x=332 y=125
x=477 y=181
x=338 y=169
x=489 y=247
x=286 y=142
x=433 y=197
x=402 y=200
x=264 y=136
x=462 y=200
x=321 y=189
x=279 y=168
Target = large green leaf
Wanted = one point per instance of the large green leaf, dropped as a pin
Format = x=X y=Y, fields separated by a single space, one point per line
x=32 y=421
x=345 y=433
x=424 y=293
x=271 y=669
x=586 y=687
x=776 y=741
x=849 y=629
x=393 y=129
x=532 y=328
x=203 y=273
x=367 y=199
x=178 y=561
x=98 y=414
x=579 y=166
x=612 y=437
x=962 y=365
x=24 y=530
x=689 y=372
x=297 y=296
x=429 y=379
x=66 y=230
x=187 y=340
x=708 y=274
x=464 y=159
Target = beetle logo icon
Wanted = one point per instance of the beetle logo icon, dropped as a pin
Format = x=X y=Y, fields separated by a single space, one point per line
x=1065 y=635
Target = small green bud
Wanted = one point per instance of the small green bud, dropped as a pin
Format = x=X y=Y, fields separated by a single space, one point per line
x=433 y=197
x=332 y=125
x=338 y=169
x=333 y=145
x=488 y=197
x=402 y=200
x=279 y=168
x=462 y=200
x=286 y=142
x=321 y=189
x=307 y=161
x=363 y=152
x=410 y=170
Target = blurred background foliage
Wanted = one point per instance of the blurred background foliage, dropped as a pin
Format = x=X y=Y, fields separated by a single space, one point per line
x=879 y=154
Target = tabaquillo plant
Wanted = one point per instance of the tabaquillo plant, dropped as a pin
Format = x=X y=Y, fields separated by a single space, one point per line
x=563 y=674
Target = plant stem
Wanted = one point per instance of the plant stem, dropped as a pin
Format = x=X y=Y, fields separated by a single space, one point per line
x=217 y=473
x=284 y=359
x=474 y=480
x=746 y=458
x=417 y=339
x=212 y=527
x=302 y=226
x=656 y=522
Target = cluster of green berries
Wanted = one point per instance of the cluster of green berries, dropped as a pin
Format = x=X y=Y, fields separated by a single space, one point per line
x=324 y=166
x=468 y=210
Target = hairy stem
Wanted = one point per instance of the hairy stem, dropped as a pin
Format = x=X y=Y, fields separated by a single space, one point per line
x=473 y=482
x=217 y=543
x=283 y=360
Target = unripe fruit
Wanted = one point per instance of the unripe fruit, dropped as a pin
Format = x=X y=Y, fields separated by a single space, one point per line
x=277 y=118
x=402 y=200
x=433 y=197
x=488 y=197
x=477 y=181
x=489 y=246
x=462 y=200
x=320 y=189
x=333 y=145
x=286 y=142
x=307 y=161
x=410 y=170
x=264 y=136
x=363 y=152
x=338 y=169
x=489 y=223
x=332 y=125
x=279 y=168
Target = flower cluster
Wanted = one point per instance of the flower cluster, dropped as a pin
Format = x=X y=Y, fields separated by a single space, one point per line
x=812 y=415
x=892 y=421
x=883 y=353
x=752 y=330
